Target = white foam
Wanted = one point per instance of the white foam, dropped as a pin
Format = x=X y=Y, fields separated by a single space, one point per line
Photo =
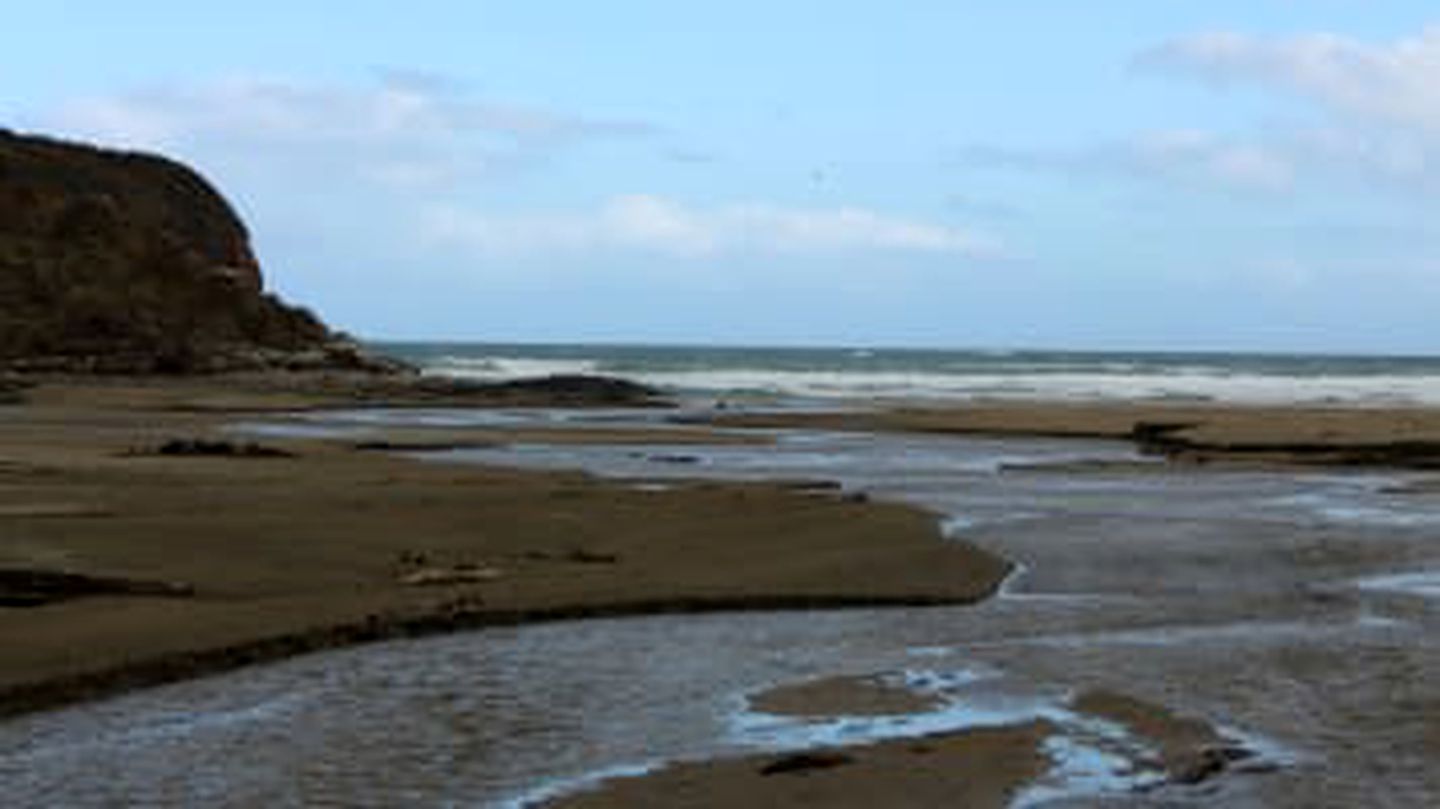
x=1092 y=759
x=956 y=526
x=1354 y=505
x=751 y=728
x=560 y=787
x=1425 y=584
x=498 y=368
x=930 y=651
x=1114 y=381
x=1378 y=514
x=295 y=429
x=1268 y=753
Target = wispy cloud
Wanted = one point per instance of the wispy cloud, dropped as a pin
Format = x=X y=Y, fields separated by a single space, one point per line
x=1381 y=99
x=1196 y=154
x=1380 y=124
x=1391 y=82
x=661 y=225
x=403 y=129
x=1188 y=156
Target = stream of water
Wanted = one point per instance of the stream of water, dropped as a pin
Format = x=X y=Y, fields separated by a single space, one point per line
x=1298 y=611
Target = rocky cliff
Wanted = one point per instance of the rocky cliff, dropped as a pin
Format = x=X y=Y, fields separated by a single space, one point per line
x=132 y=263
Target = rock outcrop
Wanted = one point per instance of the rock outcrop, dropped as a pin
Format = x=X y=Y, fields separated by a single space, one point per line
x=118 y=262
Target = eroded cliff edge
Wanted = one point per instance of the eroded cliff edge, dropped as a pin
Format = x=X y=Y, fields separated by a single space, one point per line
x=122 y=262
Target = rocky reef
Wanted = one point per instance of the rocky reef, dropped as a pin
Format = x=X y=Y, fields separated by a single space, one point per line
x=120 y=262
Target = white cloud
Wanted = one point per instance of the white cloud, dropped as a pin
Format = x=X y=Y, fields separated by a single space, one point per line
x=400 y=129
x=1386 y=157
x=1199 y=155
x=1382 y=99
x=1187 y=156
x=1381 y=130
x=657 y=224
x=1396 y=83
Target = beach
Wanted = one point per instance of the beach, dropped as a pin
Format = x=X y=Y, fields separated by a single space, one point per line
x=306 y=534
x=697 y=406
x=292 y=553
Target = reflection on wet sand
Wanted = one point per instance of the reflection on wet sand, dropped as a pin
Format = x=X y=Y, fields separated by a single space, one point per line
x=1275 y=626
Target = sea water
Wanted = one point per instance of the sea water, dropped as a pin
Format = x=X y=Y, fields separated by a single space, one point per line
x=880 y=373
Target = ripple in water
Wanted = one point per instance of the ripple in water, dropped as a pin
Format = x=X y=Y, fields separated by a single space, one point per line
x=1192 y=588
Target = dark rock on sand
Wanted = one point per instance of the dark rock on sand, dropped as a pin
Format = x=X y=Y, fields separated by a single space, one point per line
x=203 y=448
x=805 y=762
x=12 y=389
x=584 y=556
x=580 y=387
x=563 y=390
x=811 y=486
x=35 y=588
x=119 y=262
x=1200 y=765
x=580 y=556
x=1157 y=435
x=674 y=459
x=385 y=445
x=1175 y=440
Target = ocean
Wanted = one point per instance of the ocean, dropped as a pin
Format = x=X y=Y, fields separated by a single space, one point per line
x=927 y=374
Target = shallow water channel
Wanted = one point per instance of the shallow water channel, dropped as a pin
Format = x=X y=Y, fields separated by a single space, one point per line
x=1297 y=611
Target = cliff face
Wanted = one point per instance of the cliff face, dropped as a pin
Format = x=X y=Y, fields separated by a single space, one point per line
x=123 y=262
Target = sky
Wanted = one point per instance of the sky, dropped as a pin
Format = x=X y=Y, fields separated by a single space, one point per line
x=1153 y=174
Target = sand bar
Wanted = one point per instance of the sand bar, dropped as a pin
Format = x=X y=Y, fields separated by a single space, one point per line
x=334 y=545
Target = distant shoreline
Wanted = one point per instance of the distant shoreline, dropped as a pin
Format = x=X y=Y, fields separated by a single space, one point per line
x=957 y=377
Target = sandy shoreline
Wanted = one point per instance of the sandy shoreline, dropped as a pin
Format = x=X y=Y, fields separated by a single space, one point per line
x=1400 y=437
x=978 y=767
x=336 y=545
x=247 y=558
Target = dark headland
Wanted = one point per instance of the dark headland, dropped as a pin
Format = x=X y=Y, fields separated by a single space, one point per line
x=120 y=262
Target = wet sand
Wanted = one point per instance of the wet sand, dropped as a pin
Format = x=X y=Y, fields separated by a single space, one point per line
x=844 y=696
x=1324 y=436
x=983 y=769
x=338 y=545
x=334 y=545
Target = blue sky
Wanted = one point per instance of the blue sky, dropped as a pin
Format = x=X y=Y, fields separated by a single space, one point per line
x=1241 y=175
